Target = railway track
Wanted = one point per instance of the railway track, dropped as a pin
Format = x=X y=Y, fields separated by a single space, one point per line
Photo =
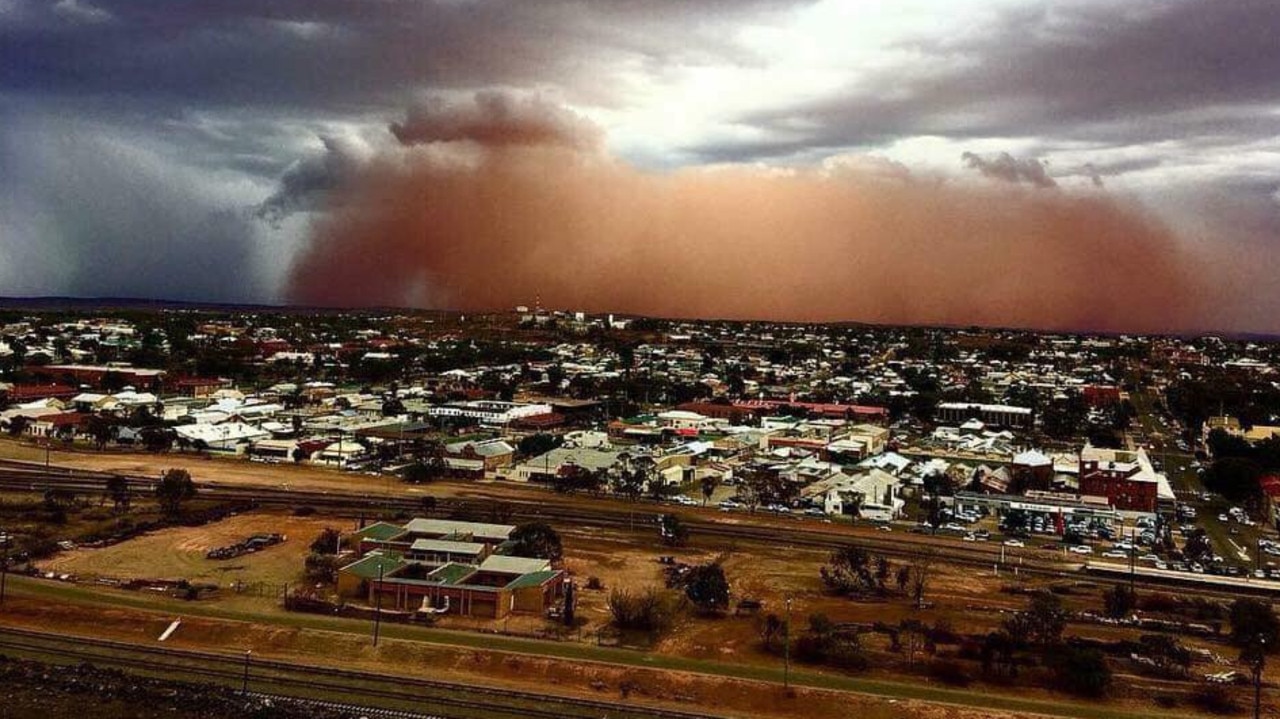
x=393 y=697
x=18 y=476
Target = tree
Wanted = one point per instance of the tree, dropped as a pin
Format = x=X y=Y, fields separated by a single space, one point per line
x=175 y=487
x=1046 y=618
x=921 y=566
x=538 y=444
x=1015 y=521
x=392 y=407
x=321 y=568
x=429 y=464
x=326 y=542
x=764 y=486
x=627 y=482
x=1253 y=621
x=1198 y=546
x=771 y=628
x=649 y=610
x=1169 y=657
x=118 y=491
x=1235 y=478
x=851 y=570
x=58 y=499
x=572 y=477
x=157 y=439
x=1119 y=601
x=707 y=587
x=101 y=429
x=709 y=483
x=825 y=642
x=1000 y=650
x=672 y=530
x=536 y=539
x=1081 y=671
x=911 y=632
x=18 y=425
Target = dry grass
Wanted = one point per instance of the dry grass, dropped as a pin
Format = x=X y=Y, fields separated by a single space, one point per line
x=179 y=552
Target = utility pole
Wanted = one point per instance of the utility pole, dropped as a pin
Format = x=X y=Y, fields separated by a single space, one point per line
x=4 y=566
x=377 y=612
x=786 y=649
x=1133 y=560
x=244 y=682
x=1258 y=662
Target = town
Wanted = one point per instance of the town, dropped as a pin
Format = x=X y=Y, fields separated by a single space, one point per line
x=615 y=481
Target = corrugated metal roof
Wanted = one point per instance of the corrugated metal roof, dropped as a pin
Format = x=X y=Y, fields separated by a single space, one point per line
x=368 y=567
x=533 y=579
x=381 y=531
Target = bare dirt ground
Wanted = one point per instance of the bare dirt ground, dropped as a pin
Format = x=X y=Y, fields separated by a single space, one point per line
x=179 y=552
x=647 y=686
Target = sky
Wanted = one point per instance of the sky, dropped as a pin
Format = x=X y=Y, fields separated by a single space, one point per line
x=1078 y=165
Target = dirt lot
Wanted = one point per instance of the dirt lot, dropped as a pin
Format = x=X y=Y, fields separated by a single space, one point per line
x=179 y=553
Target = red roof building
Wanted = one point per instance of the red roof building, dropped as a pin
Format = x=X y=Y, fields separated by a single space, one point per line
x=20 y=393
x=826 y=409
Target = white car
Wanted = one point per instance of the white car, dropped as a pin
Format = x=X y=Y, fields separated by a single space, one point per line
x=1080 y=549
x=1113 y=554
x=1014 y=543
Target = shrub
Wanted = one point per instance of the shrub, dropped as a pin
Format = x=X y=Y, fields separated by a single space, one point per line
x=707 y=588
x=1214 y=698
x=321 y=568
x=326 y=542
x=1119 y=601
x=304 y=511
x=650 y=610
x=1080 y=671
x=950 y=672
x=1158 y=602
x=826 y=643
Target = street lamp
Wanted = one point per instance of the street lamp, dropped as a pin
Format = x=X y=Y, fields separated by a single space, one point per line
x=244 y=682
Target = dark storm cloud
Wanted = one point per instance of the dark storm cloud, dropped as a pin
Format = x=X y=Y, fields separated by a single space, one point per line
x=497 y=118
x=1007 y=168
x=307 y=184
x=97 y=214
x=242 y=88
x=343 y=55
x=1139 y=71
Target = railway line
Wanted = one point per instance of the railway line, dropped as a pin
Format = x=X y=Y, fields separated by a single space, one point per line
x=19 y=476
x=381 y=695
